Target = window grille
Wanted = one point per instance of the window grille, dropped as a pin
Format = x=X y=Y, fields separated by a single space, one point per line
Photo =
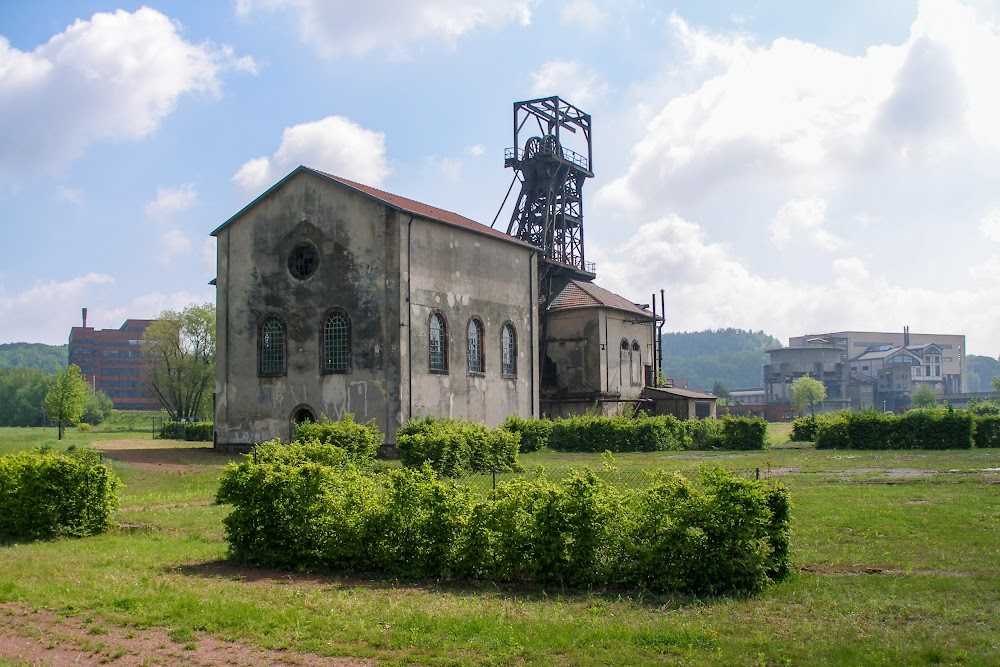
x=438 y=344
x=477 y=363
x=508 y=345
x=272 y=347
x=336 y=344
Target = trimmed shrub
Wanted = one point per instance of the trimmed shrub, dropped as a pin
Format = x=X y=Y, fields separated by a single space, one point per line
x=987 y=433
x=744 y=433
x=360 y=439
x=534 y=432
x=314 y=506
x=934 y=428
x=45 y=495
x=701 y=433
x=617 y=434
x=191 y=431
x=804 y=429
x=455 y=447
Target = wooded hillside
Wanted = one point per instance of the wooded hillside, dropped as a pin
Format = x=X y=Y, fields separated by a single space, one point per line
x=34 y=355
x=733 y=357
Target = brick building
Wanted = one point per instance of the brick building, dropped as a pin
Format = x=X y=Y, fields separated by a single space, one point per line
x=111 y=361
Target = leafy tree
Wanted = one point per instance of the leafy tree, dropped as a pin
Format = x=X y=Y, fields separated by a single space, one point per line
x=733 y=357
x=98 y=408
x=807 y=390
x=22 y=396
x=924 y=397
x=67 y=397
x=719 y=389
x=180 y=347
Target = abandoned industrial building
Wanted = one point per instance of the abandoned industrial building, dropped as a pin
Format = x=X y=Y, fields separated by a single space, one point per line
x=336 y=297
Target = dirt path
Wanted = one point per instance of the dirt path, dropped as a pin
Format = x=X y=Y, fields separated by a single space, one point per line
x=43 y=638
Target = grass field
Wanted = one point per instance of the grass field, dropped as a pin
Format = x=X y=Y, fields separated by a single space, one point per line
x=897 y=557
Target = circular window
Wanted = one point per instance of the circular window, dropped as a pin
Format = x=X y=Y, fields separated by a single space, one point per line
x=303 y=260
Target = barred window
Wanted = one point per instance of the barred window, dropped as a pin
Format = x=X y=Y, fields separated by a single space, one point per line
x=636 y=364
x=272 y=347
x=477 y=361
x=508 y=350
x=336 y=343
x=438 y=344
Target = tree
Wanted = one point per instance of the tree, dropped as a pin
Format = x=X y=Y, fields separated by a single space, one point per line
x=924 y=397
x=809 y=391
x=995 y=382
x=180 y=347
x=719 y=390
x=22 y=396
x=98 y=408
x=67 y=397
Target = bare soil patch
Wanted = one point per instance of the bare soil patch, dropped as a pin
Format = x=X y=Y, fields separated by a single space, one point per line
x=43 y=638
x=155 y=455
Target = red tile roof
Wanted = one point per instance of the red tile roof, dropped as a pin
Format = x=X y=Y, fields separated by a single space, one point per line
x=397 y=202
x=580 y=294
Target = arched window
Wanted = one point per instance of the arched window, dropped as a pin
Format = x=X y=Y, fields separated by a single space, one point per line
x=636 y=364
x=337 y=343
x=438 y=344
x=508 y=350
x=477 y=358
x=271 y=350
x=623 y=362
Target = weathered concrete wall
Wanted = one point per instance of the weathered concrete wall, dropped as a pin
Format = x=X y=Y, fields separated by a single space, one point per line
x=358 y=272
x=585 y=346
x=460 y=275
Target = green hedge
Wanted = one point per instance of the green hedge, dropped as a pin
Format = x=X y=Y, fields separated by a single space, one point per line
x=45 y=495
x=456 y=447
x=987 y=433
x=191 y=431
x=534 y=432
x=934 y=428
x=361 y=439
x=646 y=433
x=313 y=506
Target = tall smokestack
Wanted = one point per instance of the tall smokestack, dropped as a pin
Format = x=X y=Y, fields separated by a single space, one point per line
x=906 y=336
x=84 y=318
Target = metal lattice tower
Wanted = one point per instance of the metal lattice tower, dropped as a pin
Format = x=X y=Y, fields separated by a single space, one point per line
x=549 y=209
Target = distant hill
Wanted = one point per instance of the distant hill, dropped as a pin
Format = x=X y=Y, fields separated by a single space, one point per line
x=733 y=357
x=34 y=355
x=982 y=370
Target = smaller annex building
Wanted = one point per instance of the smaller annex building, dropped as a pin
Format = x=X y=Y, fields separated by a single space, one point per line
x=334 y=297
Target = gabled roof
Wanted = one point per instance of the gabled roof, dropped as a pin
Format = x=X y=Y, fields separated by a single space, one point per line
x=883 y=354
x=394 y=201
x=579 y=294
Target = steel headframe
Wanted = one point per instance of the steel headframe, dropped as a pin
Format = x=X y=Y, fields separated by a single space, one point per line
x=549 y=209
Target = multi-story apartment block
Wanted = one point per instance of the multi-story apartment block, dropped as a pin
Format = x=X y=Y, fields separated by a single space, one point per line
x=111 y=361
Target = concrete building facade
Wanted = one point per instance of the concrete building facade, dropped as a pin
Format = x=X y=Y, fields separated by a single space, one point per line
x=335 y=297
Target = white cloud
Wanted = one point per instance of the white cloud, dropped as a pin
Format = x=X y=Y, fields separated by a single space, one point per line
x=45 y=312
x=476 y=150
x=335 y=144
x=173 y=243
x=449 y=168
x=708 y=286
x=113 y=77
x=568 y=80
x=585 y=13
x=337 y=28
x=803 y=219
x=170 y=201
x=990 y=225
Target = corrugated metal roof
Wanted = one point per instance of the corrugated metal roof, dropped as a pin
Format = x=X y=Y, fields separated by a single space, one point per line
x=580 y=294
x=682 y=393
x=395 y=201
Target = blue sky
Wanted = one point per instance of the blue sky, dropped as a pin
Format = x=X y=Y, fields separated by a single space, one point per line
x=795 y=167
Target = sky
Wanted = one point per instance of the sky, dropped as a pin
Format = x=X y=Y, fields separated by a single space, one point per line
x=786 y=166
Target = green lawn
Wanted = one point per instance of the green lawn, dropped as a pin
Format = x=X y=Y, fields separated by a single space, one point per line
x=898 y=557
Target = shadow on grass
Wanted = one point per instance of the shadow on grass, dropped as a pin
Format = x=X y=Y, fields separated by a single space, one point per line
x=195 y=455
x=239 y=572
